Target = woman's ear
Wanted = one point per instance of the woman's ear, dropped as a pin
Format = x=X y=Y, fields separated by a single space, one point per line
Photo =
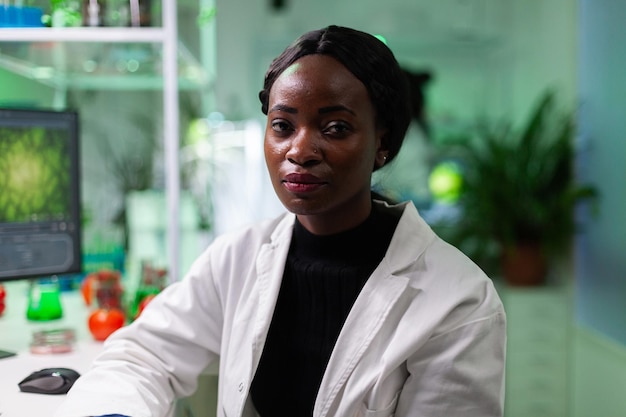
x=381 y=157
x=382 y=148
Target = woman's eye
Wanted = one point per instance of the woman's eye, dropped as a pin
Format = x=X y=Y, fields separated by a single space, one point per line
x=280 y=126
x=337 y=129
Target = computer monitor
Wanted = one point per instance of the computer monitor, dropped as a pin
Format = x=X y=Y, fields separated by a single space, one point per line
x=40 y=228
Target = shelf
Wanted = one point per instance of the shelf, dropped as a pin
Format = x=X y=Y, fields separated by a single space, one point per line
x=101 y=66
x=167 y=66
x=84 y=34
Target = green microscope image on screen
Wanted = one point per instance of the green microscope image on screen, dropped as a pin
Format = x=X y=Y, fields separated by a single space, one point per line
x=35 y=175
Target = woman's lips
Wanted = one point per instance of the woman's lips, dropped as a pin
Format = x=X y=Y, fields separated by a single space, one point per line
x=302 y=183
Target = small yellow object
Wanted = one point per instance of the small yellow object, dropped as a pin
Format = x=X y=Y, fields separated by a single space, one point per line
x=445 y=182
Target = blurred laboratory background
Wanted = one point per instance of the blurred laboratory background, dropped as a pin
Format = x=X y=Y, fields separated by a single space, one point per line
x=171 y=139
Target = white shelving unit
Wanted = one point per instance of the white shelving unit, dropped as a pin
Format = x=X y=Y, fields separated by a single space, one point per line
x=166 y=37
x=538 y=352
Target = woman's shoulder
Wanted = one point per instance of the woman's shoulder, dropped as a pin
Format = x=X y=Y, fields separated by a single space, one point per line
x=234 y=252
x=434 y=266
x=254 y=235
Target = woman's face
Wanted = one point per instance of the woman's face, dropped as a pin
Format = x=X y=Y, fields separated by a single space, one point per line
x=321 y=144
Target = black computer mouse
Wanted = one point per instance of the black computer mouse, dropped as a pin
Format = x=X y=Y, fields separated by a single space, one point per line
x=49 y=381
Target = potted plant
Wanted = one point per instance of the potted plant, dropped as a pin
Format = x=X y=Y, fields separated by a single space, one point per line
x=519 y=193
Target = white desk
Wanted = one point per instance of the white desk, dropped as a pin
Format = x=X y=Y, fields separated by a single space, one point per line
x=16 y=334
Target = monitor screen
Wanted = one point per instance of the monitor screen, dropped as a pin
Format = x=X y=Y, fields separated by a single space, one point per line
x=39 y=193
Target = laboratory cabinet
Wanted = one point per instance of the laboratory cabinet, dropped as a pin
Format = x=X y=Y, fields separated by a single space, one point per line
x=539 y=328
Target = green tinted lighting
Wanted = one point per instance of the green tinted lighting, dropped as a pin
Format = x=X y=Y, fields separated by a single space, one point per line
x=382 y=39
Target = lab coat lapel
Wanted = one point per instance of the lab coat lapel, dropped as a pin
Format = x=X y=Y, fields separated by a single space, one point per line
x=369 y=313
x=270 y=268
x=372 y=308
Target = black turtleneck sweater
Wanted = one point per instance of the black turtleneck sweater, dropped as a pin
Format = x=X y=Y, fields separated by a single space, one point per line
x=322 y=279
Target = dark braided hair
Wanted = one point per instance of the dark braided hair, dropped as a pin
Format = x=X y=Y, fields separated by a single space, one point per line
x=370 y=60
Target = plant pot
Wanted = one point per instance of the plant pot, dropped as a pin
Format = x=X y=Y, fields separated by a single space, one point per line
x=524 y=265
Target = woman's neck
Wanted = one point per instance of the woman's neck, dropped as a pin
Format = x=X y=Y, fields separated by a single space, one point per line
x=348 y=216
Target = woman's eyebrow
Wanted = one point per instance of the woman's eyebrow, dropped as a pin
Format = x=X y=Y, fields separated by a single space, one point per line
x=322 y=110
x=331 y=109
x=286 y=109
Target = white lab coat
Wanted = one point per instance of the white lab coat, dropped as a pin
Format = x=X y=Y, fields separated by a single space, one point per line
x=425 y=337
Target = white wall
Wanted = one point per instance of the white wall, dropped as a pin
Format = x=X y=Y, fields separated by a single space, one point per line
x=543 y=43
x=489 y=56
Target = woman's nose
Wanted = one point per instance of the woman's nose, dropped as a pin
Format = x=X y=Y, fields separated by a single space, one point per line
x=304 y=149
